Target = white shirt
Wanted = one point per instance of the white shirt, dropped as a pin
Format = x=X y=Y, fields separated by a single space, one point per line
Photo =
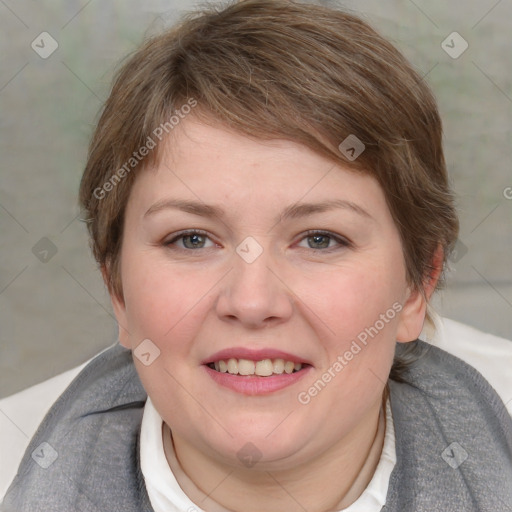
x=166 y=495
x=20 y=415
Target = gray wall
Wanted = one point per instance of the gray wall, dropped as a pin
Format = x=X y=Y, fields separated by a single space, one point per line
x=54 y=310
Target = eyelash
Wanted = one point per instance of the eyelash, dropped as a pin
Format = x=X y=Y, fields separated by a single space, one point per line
x=343 y=242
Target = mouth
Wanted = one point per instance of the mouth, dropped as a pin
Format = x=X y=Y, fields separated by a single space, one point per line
x=255 y=372
x=261 y=368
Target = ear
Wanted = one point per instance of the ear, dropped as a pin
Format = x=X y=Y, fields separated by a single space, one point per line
x=414 y=309
x=119 y=310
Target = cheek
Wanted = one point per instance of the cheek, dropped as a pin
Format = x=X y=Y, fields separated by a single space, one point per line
x=353 y=298
x=361 y=306
x=162 y=299
x=166 y=305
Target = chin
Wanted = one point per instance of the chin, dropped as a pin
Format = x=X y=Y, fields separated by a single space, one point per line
x=262 y=445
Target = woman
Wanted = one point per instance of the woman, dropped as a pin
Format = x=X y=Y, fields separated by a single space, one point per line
x=267 y=199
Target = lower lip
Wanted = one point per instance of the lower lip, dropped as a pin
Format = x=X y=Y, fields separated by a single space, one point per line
x=253 y=385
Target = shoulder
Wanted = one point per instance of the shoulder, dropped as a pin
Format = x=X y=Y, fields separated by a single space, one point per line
x=452 y=410
x=21 y=415
x=490 y=355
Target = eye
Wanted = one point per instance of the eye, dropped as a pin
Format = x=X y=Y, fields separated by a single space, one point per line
x=194 y=239
x=316 y=240
x=325 y=240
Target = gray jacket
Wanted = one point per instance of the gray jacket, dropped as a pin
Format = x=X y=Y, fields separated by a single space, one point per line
x=453 y=442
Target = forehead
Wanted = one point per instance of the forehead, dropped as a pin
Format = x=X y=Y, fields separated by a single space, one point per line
x=210 y=163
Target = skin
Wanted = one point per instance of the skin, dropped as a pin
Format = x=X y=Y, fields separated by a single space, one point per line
x=307 y=296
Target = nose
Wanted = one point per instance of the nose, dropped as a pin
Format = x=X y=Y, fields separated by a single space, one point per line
x=253 y=294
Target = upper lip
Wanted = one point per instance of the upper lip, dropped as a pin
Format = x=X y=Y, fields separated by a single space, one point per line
x=253 y=355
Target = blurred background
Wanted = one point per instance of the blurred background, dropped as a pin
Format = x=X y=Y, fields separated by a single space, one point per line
x=57 y=59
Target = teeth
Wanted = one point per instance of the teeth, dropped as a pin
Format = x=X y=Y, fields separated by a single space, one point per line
x=264 y=368
x=288 y=367
x=245 y=367
x=233 y=366
x=278 y=366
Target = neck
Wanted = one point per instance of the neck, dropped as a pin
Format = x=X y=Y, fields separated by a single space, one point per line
x=331 y=481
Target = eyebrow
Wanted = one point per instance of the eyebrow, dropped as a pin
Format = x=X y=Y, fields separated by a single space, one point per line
x=293 y=211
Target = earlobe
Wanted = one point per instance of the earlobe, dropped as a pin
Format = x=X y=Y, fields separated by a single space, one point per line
x=121 y=316
x=411 y=317
x=119 y=308
x=414 y=310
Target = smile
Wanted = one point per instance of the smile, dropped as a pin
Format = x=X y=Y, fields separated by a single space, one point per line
x=262 y=368
x=263 y=377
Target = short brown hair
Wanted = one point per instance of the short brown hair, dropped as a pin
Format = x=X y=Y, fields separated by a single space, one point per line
x=279 y=69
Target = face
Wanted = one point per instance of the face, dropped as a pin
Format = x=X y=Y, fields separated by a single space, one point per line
x=266 y=258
